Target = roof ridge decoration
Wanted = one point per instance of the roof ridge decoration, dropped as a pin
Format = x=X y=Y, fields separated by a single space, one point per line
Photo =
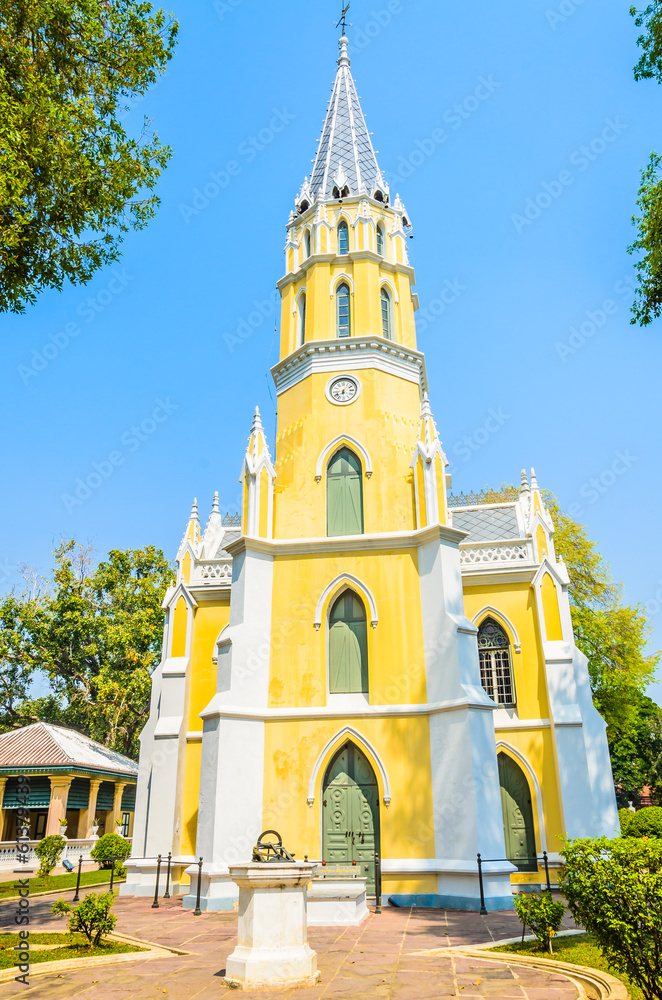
x=346 y=164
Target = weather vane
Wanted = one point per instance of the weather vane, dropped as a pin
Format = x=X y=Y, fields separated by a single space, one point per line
x=343 y=19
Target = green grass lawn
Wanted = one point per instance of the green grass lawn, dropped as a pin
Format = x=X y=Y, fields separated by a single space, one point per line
x=577 y=949
x=68 y=946
x=10 y=889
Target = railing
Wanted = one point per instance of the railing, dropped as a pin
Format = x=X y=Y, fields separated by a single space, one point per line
x=504 y=551
x=485 y=497
x=513 y=861
x=213 y=572
x=73 y=850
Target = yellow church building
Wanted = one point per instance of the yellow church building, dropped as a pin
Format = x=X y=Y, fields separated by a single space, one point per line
x=361 y=661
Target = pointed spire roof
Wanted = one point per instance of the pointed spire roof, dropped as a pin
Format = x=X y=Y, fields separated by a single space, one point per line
x=345 y=159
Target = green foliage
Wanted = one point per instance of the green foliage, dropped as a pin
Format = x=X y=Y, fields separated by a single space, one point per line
x=646 y=823
x=111 y=845
x=92 y=916
x=49 y=851
x=625 y=816
x=648 y=244
x=614 y=889
x=96 y=633
x=70 y=177
x=542 y=914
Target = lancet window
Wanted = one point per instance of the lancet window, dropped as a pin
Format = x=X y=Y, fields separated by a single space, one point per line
x=348 y=645
x=343 y=326
x=496 y=673
x=343 y=238
x=344 y=494
x=387 y=315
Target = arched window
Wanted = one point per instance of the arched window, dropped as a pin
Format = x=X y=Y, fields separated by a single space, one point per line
x=306 y=244
x=344 y=494
x=301 y=320
x=496 y=674
x=348 y=645
x=517 y=810
x=380 y=240
x=387 y=315
x=343 y=238
x=343 y=328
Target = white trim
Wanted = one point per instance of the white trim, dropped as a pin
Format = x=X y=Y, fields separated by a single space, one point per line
x=434 y=866
x=350 y=354
x=393 y=289
x=477 y=701
x=302 y=291
x=338 y=441
x=521 y=759
x=356 y=736
x=338 y=279
x=490 y=610
x=355 y=582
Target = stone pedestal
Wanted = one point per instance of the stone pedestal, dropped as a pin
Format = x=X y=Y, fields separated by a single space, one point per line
x=272 y=950
x=337 y=902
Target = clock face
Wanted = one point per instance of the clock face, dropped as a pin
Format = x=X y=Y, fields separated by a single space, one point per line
x=343 y=390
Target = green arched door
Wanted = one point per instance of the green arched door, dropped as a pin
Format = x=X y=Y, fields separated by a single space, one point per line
x=350 y=812
x=517 y=810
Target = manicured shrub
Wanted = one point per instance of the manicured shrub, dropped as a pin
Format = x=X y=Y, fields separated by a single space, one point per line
x=625 y=817
x=111 y=845
x=542 y=914
x=92 y=916
x=49 y=851
x=646 y=823
x=614 y=889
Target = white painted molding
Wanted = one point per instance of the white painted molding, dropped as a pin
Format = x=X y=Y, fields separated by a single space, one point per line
x=302 y=291
x=339 y=278
x=337 y=441
x=490 y=610
x=394 y=292
x=354 y=581
x=356 y=736
x=521 y=759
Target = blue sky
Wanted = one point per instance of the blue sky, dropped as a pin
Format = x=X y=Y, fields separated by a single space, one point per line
x=139 y=376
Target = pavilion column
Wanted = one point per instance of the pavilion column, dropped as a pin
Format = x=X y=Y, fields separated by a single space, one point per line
x=117 y=806
x=3 y=813
x=57 y=809
x=86 y=821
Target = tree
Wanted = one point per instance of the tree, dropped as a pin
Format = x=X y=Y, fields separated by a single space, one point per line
x=49 y=851
x=96 y=633
x=614 y=890
x=648 y=297
x=542 y=914
x=72 y=181
x=92 y=916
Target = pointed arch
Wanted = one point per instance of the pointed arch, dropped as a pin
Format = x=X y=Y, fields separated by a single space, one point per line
x=390 y=285
x=342 y=235
x=539 y=812
x=348 y=733
x=490 y=611
x=338 y=442
x=338 y=279
x=333 y=589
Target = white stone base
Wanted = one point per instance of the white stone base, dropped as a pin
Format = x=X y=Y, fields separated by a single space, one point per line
x=141 y=877
x=272 y=936
x=217 y=890
x=337 y=902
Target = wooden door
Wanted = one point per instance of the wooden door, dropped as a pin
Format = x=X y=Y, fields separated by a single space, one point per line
x=350 y=813
x=517 y=810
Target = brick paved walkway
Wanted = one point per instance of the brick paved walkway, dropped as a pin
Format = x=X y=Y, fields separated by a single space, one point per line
x=377 y=959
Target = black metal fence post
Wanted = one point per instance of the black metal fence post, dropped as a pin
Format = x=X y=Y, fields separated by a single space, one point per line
x=112 y=872
x=166 y=894
x=483 y=909
x=80 y=862
x=378 y=884
x=198 y=911
x=156 y=887
x=549 y=884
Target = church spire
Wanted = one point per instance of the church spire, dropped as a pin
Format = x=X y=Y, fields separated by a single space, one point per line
x=345 y=165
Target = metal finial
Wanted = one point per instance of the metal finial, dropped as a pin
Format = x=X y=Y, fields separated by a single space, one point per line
x=343 y=19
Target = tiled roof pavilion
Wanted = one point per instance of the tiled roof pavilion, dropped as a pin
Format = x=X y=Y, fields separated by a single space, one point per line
x=69 y=776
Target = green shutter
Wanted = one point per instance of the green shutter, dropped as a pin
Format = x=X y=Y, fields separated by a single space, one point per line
x=348 y=646
x=79 y=794
x=106 y=795
x=129 y=798
x=344 y=495
x=33 y=795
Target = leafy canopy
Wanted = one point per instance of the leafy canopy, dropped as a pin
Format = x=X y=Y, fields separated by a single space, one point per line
x=614 y=889
x=95 y=633
x=648 y=244
x=542 y=914
x=49 y=850
x=72 y=181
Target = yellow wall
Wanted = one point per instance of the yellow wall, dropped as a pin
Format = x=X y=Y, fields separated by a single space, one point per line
x=298 y=675
x=550 y=603
x=384 y=419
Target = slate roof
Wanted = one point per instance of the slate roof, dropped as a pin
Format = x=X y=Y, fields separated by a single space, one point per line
x=486 y=524
x=345 y=147
x=44 y=745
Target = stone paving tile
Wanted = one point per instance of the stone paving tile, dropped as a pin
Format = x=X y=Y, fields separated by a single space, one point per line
x=377 y=959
